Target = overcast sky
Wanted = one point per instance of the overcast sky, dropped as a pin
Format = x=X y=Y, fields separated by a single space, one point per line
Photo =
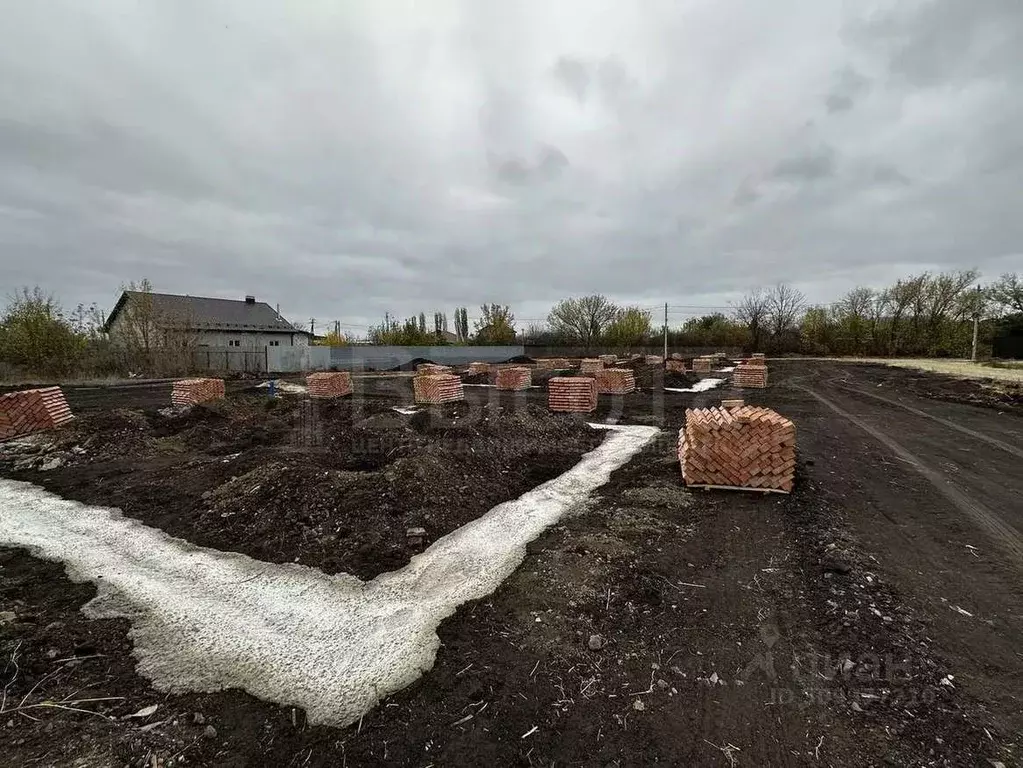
x=349 y=158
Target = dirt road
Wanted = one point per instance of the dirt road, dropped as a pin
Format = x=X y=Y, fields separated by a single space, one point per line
x=873 y=617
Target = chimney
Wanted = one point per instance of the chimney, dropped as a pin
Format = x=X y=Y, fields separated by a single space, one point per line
x=250 y=299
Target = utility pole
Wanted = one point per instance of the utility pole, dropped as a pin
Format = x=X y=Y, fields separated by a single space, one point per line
x=976 y=324
x=665 y=333
x=312 y=325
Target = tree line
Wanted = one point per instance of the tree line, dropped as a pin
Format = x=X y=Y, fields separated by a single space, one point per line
x=927 y=314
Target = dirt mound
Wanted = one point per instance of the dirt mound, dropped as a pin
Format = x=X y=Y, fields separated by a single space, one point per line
x=476 y=378
x=682 y=380
x=520 y=360
x=411 y=364
x=334 y=485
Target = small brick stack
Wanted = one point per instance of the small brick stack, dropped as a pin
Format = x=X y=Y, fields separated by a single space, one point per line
x=32 y=410
x=703 y=364
x=676 y=356
x=513 y=378
x=759 y=357
x=750 y=375
x=552 y=364
x=329 y=384
x=747 y=447
x=575 y=394
x=608 y=360
x=478 y=367
x=195 y=391
x=678 y=366
x=437 y=388
x=654 y=359
x=616 y=381
x=432 y=368
x=733 y=403
x=591 y=365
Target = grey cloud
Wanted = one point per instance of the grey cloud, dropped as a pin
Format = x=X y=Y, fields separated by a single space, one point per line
x=346 y=161
x=818 y=163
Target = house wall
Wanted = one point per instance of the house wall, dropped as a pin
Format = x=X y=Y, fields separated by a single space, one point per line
x=251 y=339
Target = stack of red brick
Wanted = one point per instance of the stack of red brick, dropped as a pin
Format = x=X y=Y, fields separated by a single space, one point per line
x=437 y=388
x=32 y=410
x=194 y=391
x=591 y=365
x=654 y=359
x=328 y=384
x=703 y=364
x=478 y=367
x=616 y=381
x=608 y=360
x=746 y=447
x=572 y=394
x=552 y=364
x=750 y=375
x=513 y=378
x=678 y=366
x=432 y=368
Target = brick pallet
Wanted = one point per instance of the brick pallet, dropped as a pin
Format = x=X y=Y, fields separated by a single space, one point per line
x=478 y=367
x=616 y=381
x=32 y=410
x=750 y=375
x=432 y=368
x=608 y=359
x=195 y=391
x=328 y=384
x=739 y=448
x=703 y=364
x=653 y=359
x=437 y=388
x=577 y=394
x=678 y=366
x=513 y=378
x=591 y=365
x=552 y=364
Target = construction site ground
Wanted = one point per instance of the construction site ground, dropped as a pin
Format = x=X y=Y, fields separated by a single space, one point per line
x=872 y=617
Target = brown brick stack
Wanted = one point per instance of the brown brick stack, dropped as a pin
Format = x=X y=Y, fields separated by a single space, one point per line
x=759 y=356
x=654 y=359
x=608 y=359
x=574 y=394
x=432 y=368
x=328 y=384
x=437 y=388
x=32 y=410
x=513 y=378
x=478 y=367
x=678 y=366
x=732 y=403
x=552 y=364
x=750 y=375
x=703 y=364
x=616 y=381
x=747 y=447
x=591 y=365
x=194 y=391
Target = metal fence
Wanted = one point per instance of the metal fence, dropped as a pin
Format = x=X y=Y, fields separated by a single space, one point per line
x=653 y=349
x=379 y=358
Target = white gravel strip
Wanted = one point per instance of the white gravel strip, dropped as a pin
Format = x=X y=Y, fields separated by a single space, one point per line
x=203 y=620
x=701 y=386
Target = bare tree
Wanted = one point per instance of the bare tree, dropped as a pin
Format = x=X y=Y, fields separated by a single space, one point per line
x=1007 y=292
x=785 y=305
x=753 y=312
x=583 y=319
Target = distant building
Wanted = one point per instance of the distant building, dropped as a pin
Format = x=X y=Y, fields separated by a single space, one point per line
x=161 y=319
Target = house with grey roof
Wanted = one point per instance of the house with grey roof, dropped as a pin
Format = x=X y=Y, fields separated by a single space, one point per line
x=153 y=320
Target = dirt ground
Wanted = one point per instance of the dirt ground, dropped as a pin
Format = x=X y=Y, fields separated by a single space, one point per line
x=873 y=617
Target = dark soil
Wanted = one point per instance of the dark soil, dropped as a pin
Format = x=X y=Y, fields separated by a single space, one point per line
x=333 y=485
x=990 y=393
x=814 y=629
x=411 y=364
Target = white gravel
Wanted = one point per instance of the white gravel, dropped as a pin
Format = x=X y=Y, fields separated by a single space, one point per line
x=203 y=620
x=701 y=386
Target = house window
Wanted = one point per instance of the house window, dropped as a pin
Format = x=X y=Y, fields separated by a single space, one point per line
x=275 y=343
x=234 y=343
